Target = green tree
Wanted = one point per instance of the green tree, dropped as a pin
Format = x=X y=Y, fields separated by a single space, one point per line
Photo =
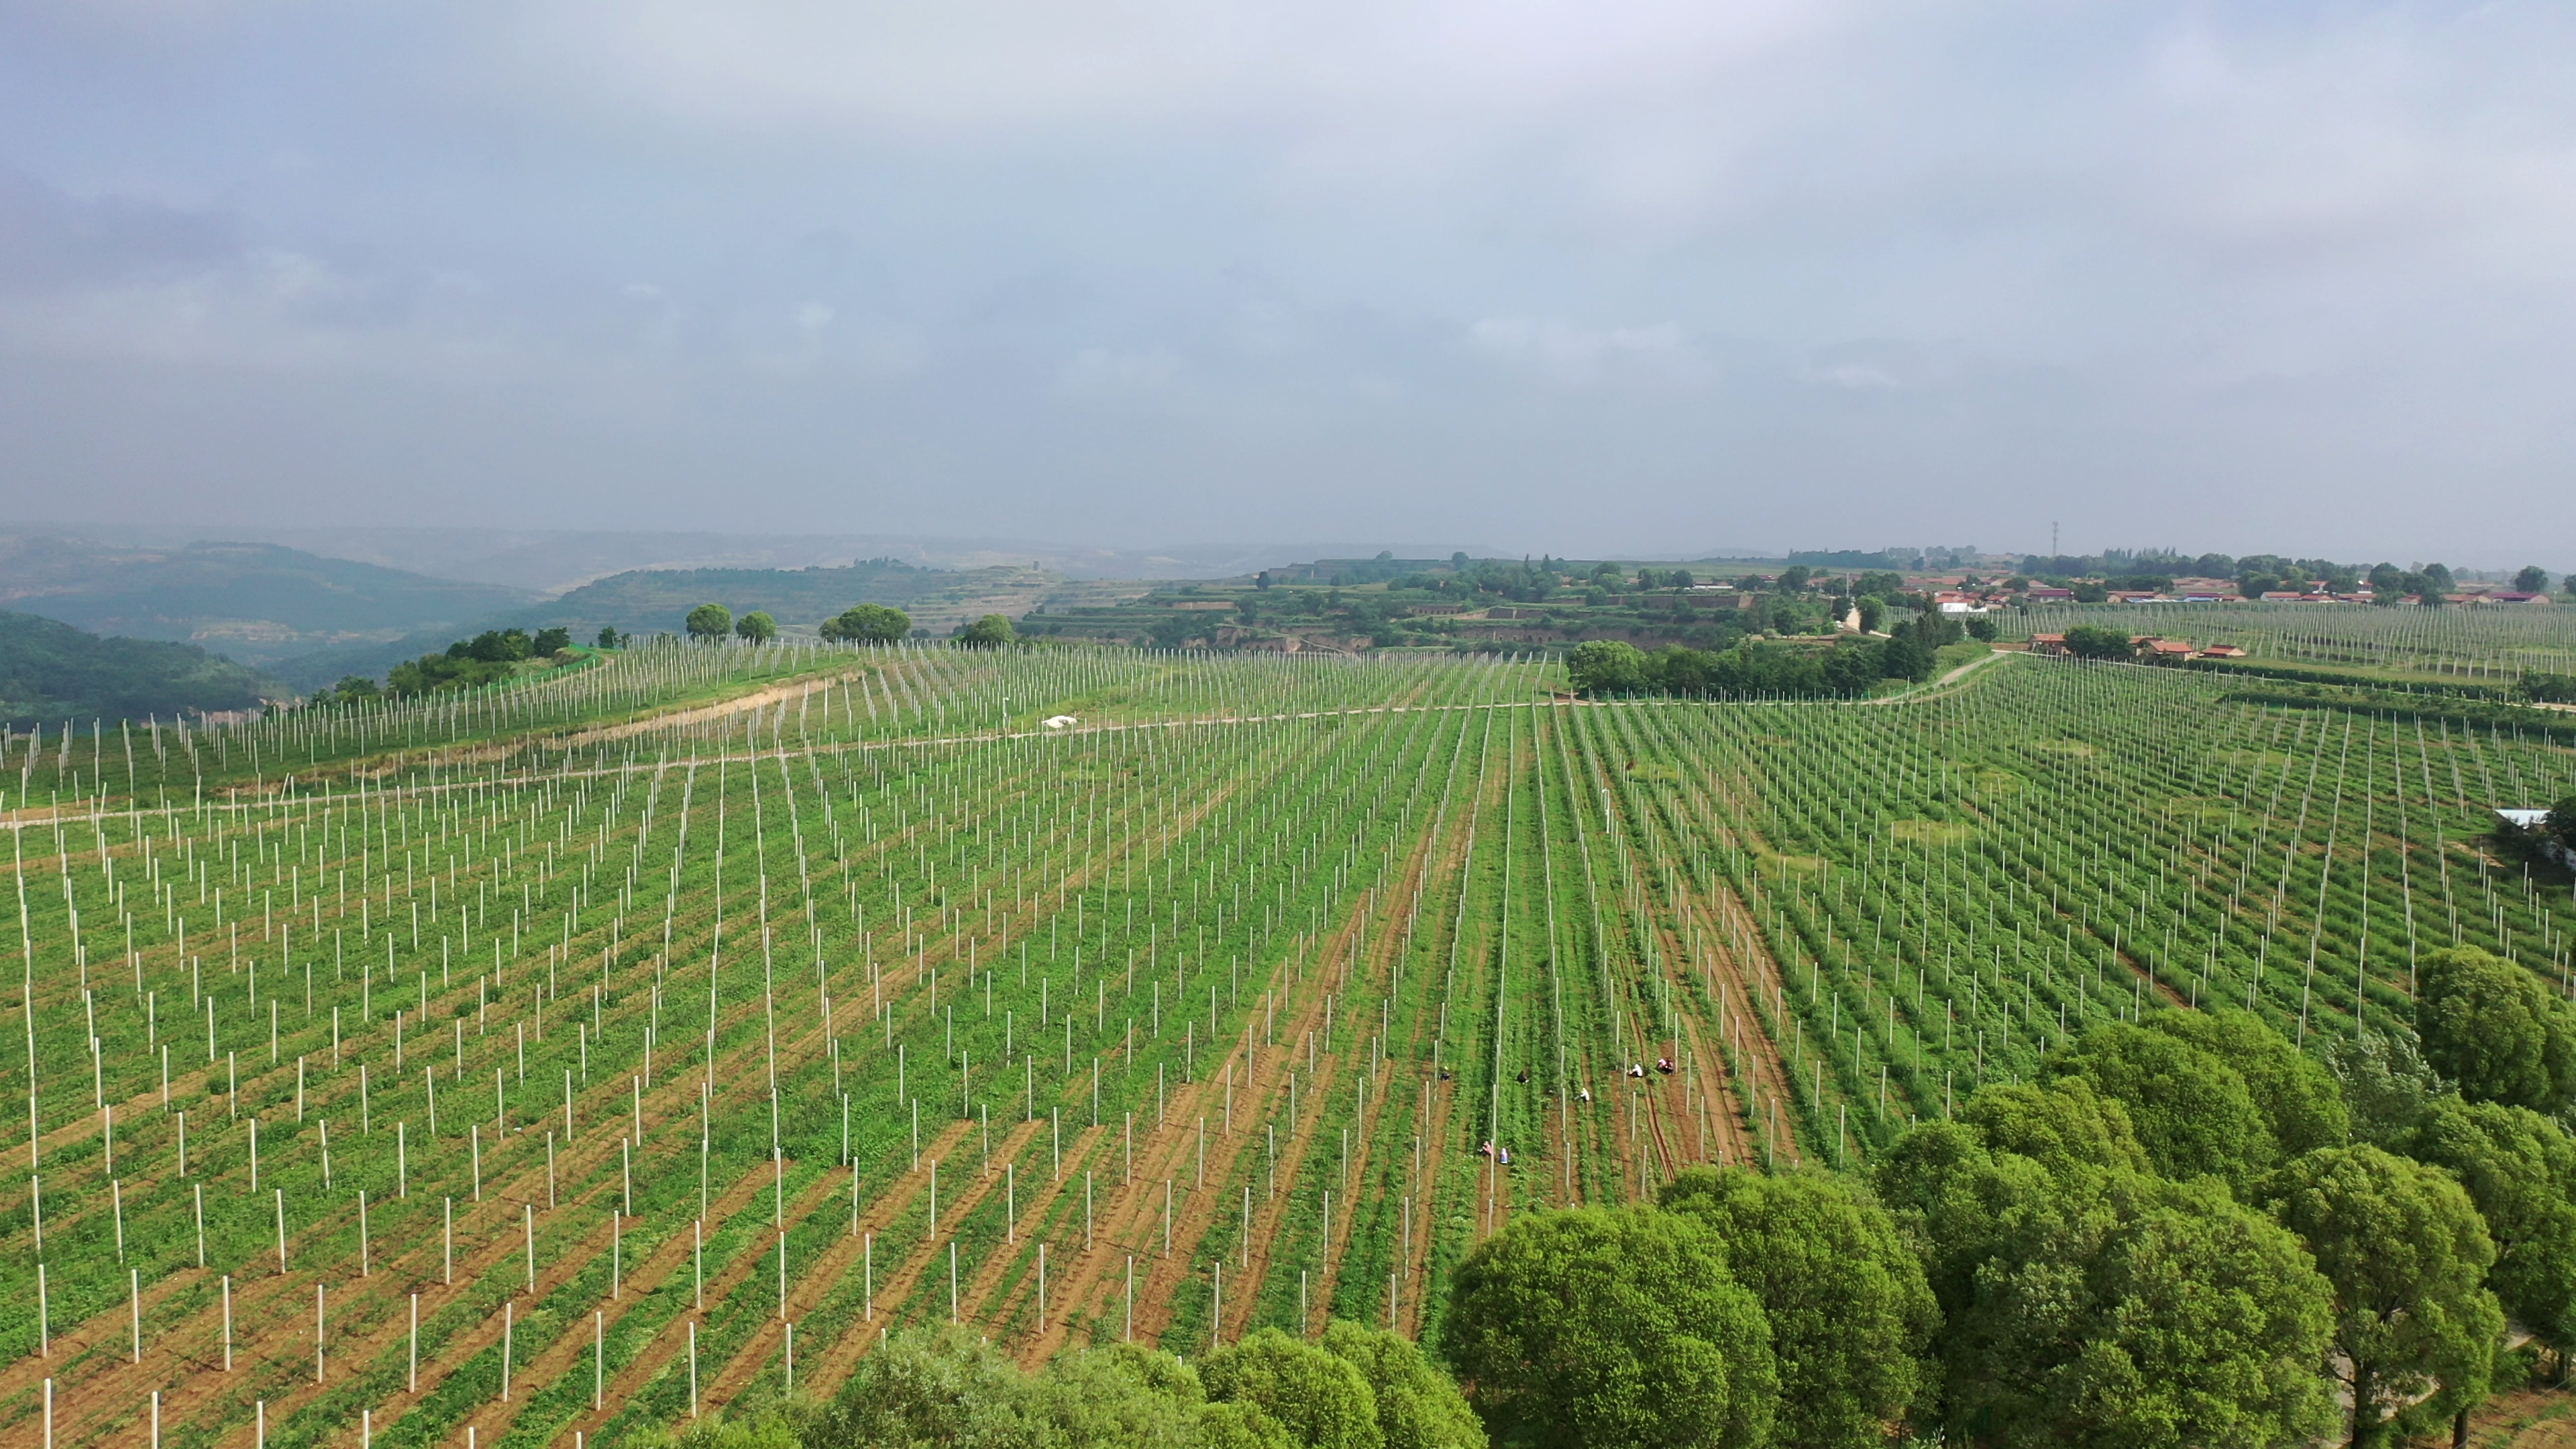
x=2061 y=1125
x=548 y=641
x=356 y=686
x=2193 y=1112
x=868 y=624
x=2386 y=1085
x=1321 y=1398
x=609 y=638
x=2408 y=1256
x=990 y=632
x=2492 y=1027
x=710 y=622
x=2300 y=1102
x=1121 y=1396
x=2124 y=1310
x=2532 y=579
x=756 y=627
x=1417 y=1405
x=1600 y=668
x=1873 y=612
x=1850 y=1312
x=1982 y=629
x=1611 y=1328
x=2093 y=641
x=946 y=1386
x=2520 y=1169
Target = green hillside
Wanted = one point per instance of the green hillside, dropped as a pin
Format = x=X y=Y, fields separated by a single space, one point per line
x=51 y=672
x=252 y=601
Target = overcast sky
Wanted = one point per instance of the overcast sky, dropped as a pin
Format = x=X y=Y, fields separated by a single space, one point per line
x=1584 y=275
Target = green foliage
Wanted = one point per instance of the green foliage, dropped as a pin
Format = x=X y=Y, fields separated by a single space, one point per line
x=1982 y=629
x=2493 y=1028
x=2519 y=1167
x=548 y=641
x=494 y=646
x=2193 y=1112
x=708 y=622
x=867 y=624
x=944 y=1385
x=1320 y=1397
x=2301 y=1105
x=785 y=1423
x=990 y=632
x=1606 y=668
x=2538 y=687
x=2532 y=579
x=756 y=627
x=2407 y=1255
x=2386 y=1085
x=609 y=638
x=431 y=673
x=2121 y=1310
x=2060 y=1125
x=1417 y=1405
x=1614 y=1329
x=2092 y=641
x=1850 y=1312
x=2091 y=1303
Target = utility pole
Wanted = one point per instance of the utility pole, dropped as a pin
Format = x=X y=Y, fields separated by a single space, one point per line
x=2052 y=538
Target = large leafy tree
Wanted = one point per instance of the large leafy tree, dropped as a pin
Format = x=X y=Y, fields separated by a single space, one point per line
x=756 y=627
x=1850 y=1312
x=2520 y=1169
x=2093 y=641
x=1603 y=667
x=867 y=624
x=2296 y=1096
x=2125 y=1310
x=710 y=622
x=1320 y=1397
x=2493 y=1028
x=2193 y=1112
x=1603 y=1328
x=990 y=632
x=2093 y=1304
x=1417 y=1405
x=2408 y=1256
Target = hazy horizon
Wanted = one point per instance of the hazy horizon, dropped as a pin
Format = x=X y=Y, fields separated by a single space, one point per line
x=1146 y=277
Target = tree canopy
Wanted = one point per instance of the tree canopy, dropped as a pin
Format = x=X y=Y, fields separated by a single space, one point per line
x=2519 y=1168
x=756 y=627
x=2407 y=1255
x=2093 y=641
x=2493 y=1028
x=867 y=624
x=1320 y=1397
x=1611 y=1328
x=1850 y=1312
x=990 y=632
x=2193 y=1112
x=710 y=621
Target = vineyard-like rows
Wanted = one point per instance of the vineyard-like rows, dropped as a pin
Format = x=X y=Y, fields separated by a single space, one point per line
x=552 y=1063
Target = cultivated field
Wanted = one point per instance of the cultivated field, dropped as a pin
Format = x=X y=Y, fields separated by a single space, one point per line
x=549 y=1060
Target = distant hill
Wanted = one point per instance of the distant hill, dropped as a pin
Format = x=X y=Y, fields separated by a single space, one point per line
x=51 y=672
x=255 y=602
x=657 y=601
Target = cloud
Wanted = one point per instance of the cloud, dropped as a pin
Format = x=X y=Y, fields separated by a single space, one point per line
x=1731 y=269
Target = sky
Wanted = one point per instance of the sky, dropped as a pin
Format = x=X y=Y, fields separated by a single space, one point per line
x=1596 y=277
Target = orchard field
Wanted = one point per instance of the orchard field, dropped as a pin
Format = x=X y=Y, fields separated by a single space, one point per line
x=570 y=1056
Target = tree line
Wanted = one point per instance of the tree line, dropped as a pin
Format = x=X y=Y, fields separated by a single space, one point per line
x=1848 y=668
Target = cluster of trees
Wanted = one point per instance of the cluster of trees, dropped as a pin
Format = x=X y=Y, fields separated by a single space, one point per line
x=465 y=664
x=1355 y=1388
x=993 y=631
x=867 y=624
x=1609 y=668
x=857 y=624
x=2186 y=1232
